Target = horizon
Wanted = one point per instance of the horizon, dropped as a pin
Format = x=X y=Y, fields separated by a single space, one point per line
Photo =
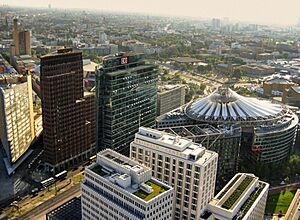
x=235 y=12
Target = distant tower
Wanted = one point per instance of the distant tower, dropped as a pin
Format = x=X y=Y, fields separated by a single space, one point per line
x=24 y=43
x=16 y=37
x=49 y=6
x=6 y=22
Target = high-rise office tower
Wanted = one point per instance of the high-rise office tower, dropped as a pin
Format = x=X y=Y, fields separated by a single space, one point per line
x=243 y=198
x=68 y=113
x=116 y=187
x=24 y=43
x=21 y=41
x=180 y=163
x=17 y=123
x=126 y=99
x=16 y=37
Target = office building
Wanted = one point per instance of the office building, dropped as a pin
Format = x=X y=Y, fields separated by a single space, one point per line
x=293 y=212
x=126 y=93
x=21 y=41
x=68 y=113
x=180 y=163
x=17 y=129
x=16 y=45
x=243 y=198
x=25 y=43
x=169 y=98
x=221 y=140
x=116 y=187
x=20 y=121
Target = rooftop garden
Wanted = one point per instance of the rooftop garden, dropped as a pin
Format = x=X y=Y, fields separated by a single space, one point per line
x=233 y=198
x=247 y=205
x=279 y=203
x=157 y=190
x=228 y=187
x=98 y=169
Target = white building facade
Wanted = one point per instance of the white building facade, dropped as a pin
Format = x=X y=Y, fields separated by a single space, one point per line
x=243 y=198
x=180 y=163
x=17 y=123
x=117 y=187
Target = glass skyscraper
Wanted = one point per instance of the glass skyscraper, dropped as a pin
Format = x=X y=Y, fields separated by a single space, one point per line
x=126 y=99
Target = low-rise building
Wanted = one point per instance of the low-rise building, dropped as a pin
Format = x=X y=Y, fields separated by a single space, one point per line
x=116 y=187
x=291 y=96
x=276 y=85
x=257 y=70
x=243 y=198
x=170 y=97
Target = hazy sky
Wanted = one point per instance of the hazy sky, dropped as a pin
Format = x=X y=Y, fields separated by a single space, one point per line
x=262 y=11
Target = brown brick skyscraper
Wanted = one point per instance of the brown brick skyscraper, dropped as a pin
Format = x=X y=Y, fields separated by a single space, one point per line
x=68 y=114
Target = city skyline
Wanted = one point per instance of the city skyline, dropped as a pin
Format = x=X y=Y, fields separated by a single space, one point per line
x=264 y=12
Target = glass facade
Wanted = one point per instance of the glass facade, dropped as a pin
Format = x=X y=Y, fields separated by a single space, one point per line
x=126 y=99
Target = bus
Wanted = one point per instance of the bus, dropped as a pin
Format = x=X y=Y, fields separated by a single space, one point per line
x=93 y=158
x=48 y=182
x=61 y=175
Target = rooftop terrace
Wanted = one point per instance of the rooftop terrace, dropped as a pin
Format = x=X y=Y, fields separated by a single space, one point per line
x=157 y=190
x=128 y=174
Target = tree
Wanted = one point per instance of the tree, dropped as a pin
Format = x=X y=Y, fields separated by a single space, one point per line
x=238 y=73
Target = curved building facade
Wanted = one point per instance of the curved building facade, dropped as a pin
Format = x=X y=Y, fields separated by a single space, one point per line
x=268 y=130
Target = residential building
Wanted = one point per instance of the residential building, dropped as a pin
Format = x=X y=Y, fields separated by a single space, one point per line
x=126 y=93
x=68 y=113
x=116 y=187
x=243 y=198
x=180 y=163
x=293 y=212
x=170 y=97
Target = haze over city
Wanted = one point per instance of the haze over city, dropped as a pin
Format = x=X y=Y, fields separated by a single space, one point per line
x=264 y=12
x=149 y=110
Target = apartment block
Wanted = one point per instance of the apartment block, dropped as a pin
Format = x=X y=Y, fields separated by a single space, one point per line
x=243 y=198
x=180 y=163
x=116 y=187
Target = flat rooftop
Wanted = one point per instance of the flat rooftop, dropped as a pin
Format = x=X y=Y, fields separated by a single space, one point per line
x=169 y=87
x=238 y=195
x=131 y=176
x=132 y=69
x=186 y=60
x=184 y=146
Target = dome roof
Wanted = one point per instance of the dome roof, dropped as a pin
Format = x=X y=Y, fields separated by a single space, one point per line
x=226 y=105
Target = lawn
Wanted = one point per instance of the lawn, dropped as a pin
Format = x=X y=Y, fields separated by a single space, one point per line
x=156 y=191
x=279 y=203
